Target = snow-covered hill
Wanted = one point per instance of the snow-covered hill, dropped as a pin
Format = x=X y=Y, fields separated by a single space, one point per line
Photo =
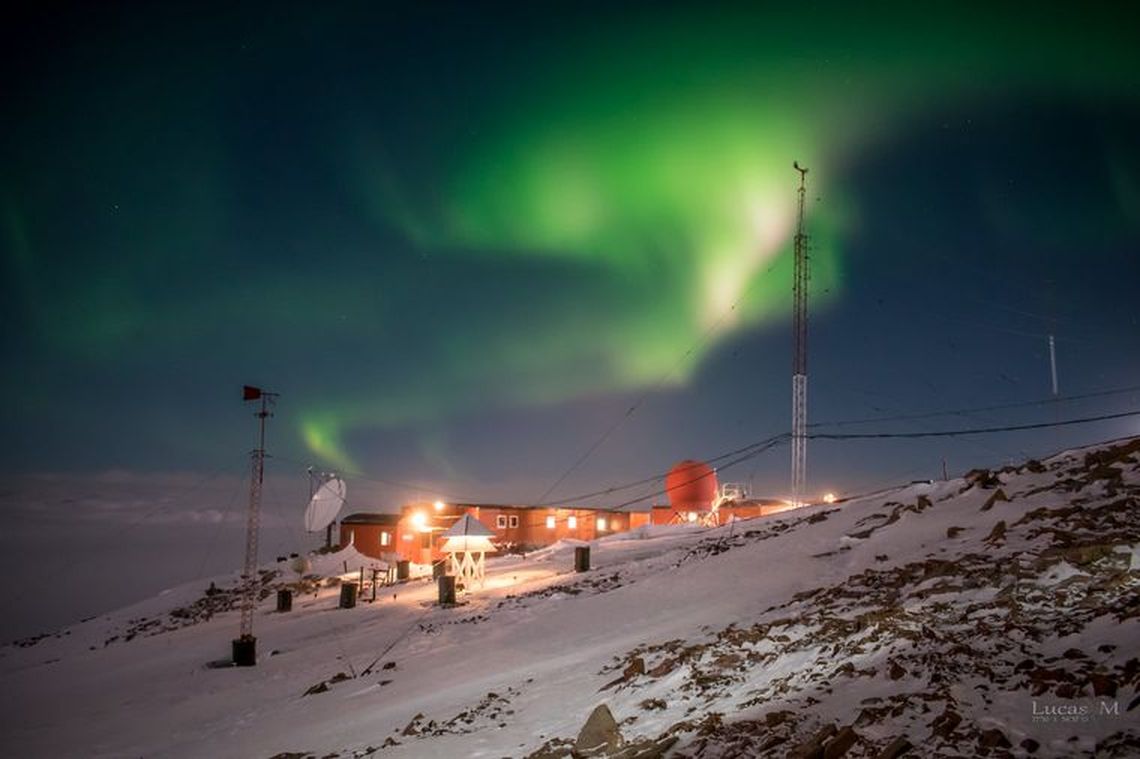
x=990 y=615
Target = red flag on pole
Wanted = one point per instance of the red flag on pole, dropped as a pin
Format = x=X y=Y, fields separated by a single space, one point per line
x=250 y=393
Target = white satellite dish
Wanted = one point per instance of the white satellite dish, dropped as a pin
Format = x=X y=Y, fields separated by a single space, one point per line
x=325 y=504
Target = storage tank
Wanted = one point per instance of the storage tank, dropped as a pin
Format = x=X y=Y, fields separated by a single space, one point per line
x=691 y=486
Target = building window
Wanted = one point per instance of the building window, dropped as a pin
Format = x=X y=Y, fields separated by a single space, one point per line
x=572 y=523
x=408 y=536
x=385 y=538
x=550 y=523
x=514 y=520
x=501 y=521
x=601 y=524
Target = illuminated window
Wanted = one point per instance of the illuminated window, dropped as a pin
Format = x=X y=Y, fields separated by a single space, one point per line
x=408 y=536
x=385 y=538
x=501 y=521
x=572 y=523
x=514 y=521
x=601 y=524
x=550 y=522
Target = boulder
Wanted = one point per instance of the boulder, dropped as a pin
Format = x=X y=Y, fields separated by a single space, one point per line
x=600 y=734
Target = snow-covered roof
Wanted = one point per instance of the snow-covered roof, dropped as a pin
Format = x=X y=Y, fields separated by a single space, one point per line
x=468 y=543
x=370 y=518
x=469 y=526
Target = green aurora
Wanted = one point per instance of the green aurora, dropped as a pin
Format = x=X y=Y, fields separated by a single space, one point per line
x=587 y=212
x=658 y=155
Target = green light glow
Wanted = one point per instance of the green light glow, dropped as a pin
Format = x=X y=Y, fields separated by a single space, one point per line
x=657 y=158
x=589 y=209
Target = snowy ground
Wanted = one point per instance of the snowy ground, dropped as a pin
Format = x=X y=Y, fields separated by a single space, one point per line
x=994 y=614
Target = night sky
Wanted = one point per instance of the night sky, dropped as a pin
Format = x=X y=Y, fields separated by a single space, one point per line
x=463 y=241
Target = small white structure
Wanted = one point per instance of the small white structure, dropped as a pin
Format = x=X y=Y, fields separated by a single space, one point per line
x=467 y=542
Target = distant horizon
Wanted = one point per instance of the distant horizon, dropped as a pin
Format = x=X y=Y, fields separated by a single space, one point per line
x=143 y=521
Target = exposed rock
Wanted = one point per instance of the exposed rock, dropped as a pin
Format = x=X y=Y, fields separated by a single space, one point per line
x=838 y=746
x=999 y=495
x=997 y=534
x=410 y=728
x=646 y=749
x=813 y=748
x=993 y=738
x=1030 y=745
x=1103 y=685
x=600 y=733
x=983 y=478
x=945 y=723
x=895 y=748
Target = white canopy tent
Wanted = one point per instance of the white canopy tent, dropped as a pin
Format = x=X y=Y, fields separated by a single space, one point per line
x=467 y=542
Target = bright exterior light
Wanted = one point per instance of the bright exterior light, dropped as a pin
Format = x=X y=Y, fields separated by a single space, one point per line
x=829 y=497
x=601 y=524
x=572 y=523
x=438 y=505
x=550 y=523
x=419 y=520
x=692 y=516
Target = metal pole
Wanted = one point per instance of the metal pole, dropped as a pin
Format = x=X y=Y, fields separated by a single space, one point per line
x=1053 y=363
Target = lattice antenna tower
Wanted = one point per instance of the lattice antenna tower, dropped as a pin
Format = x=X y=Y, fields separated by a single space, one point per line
x=800 y=275
x=245 y=646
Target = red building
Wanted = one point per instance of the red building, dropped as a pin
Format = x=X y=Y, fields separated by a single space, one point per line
x=523 y=528
x=373 y=535
x=416 y=532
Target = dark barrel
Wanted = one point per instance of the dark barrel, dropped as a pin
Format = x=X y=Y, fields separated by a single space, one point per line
x=348 y=595
x=582 y=559
x=446 y=589
x=245 y=651
x=284 y=600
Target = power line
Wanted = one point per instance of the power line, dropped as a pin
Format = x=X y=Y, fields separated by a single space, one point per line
x=772 y=442
x=974 y=431
x=980 y=409
x=766 y=443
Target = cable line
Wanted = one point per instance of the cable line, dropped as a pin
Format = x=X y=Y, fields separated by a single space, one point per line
x=975 y=431
x=981 y=409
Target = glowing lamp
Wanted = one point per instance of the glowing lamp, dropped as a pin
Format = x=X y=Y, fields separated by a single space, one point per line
x=419 y=520
x=829 y=497
x=438 y=505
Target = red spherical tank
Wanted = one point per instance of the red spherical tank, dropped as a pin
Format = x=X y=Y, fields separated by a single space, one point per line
x=691 y=485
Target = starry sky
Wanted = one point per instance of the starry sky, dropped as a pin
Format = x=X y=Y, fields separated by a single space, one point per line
x=467 y=242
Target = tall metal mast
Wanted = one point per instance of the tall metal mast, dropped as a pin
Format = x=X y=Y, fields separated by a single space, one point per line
x=245 y=646
x=799 y=357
